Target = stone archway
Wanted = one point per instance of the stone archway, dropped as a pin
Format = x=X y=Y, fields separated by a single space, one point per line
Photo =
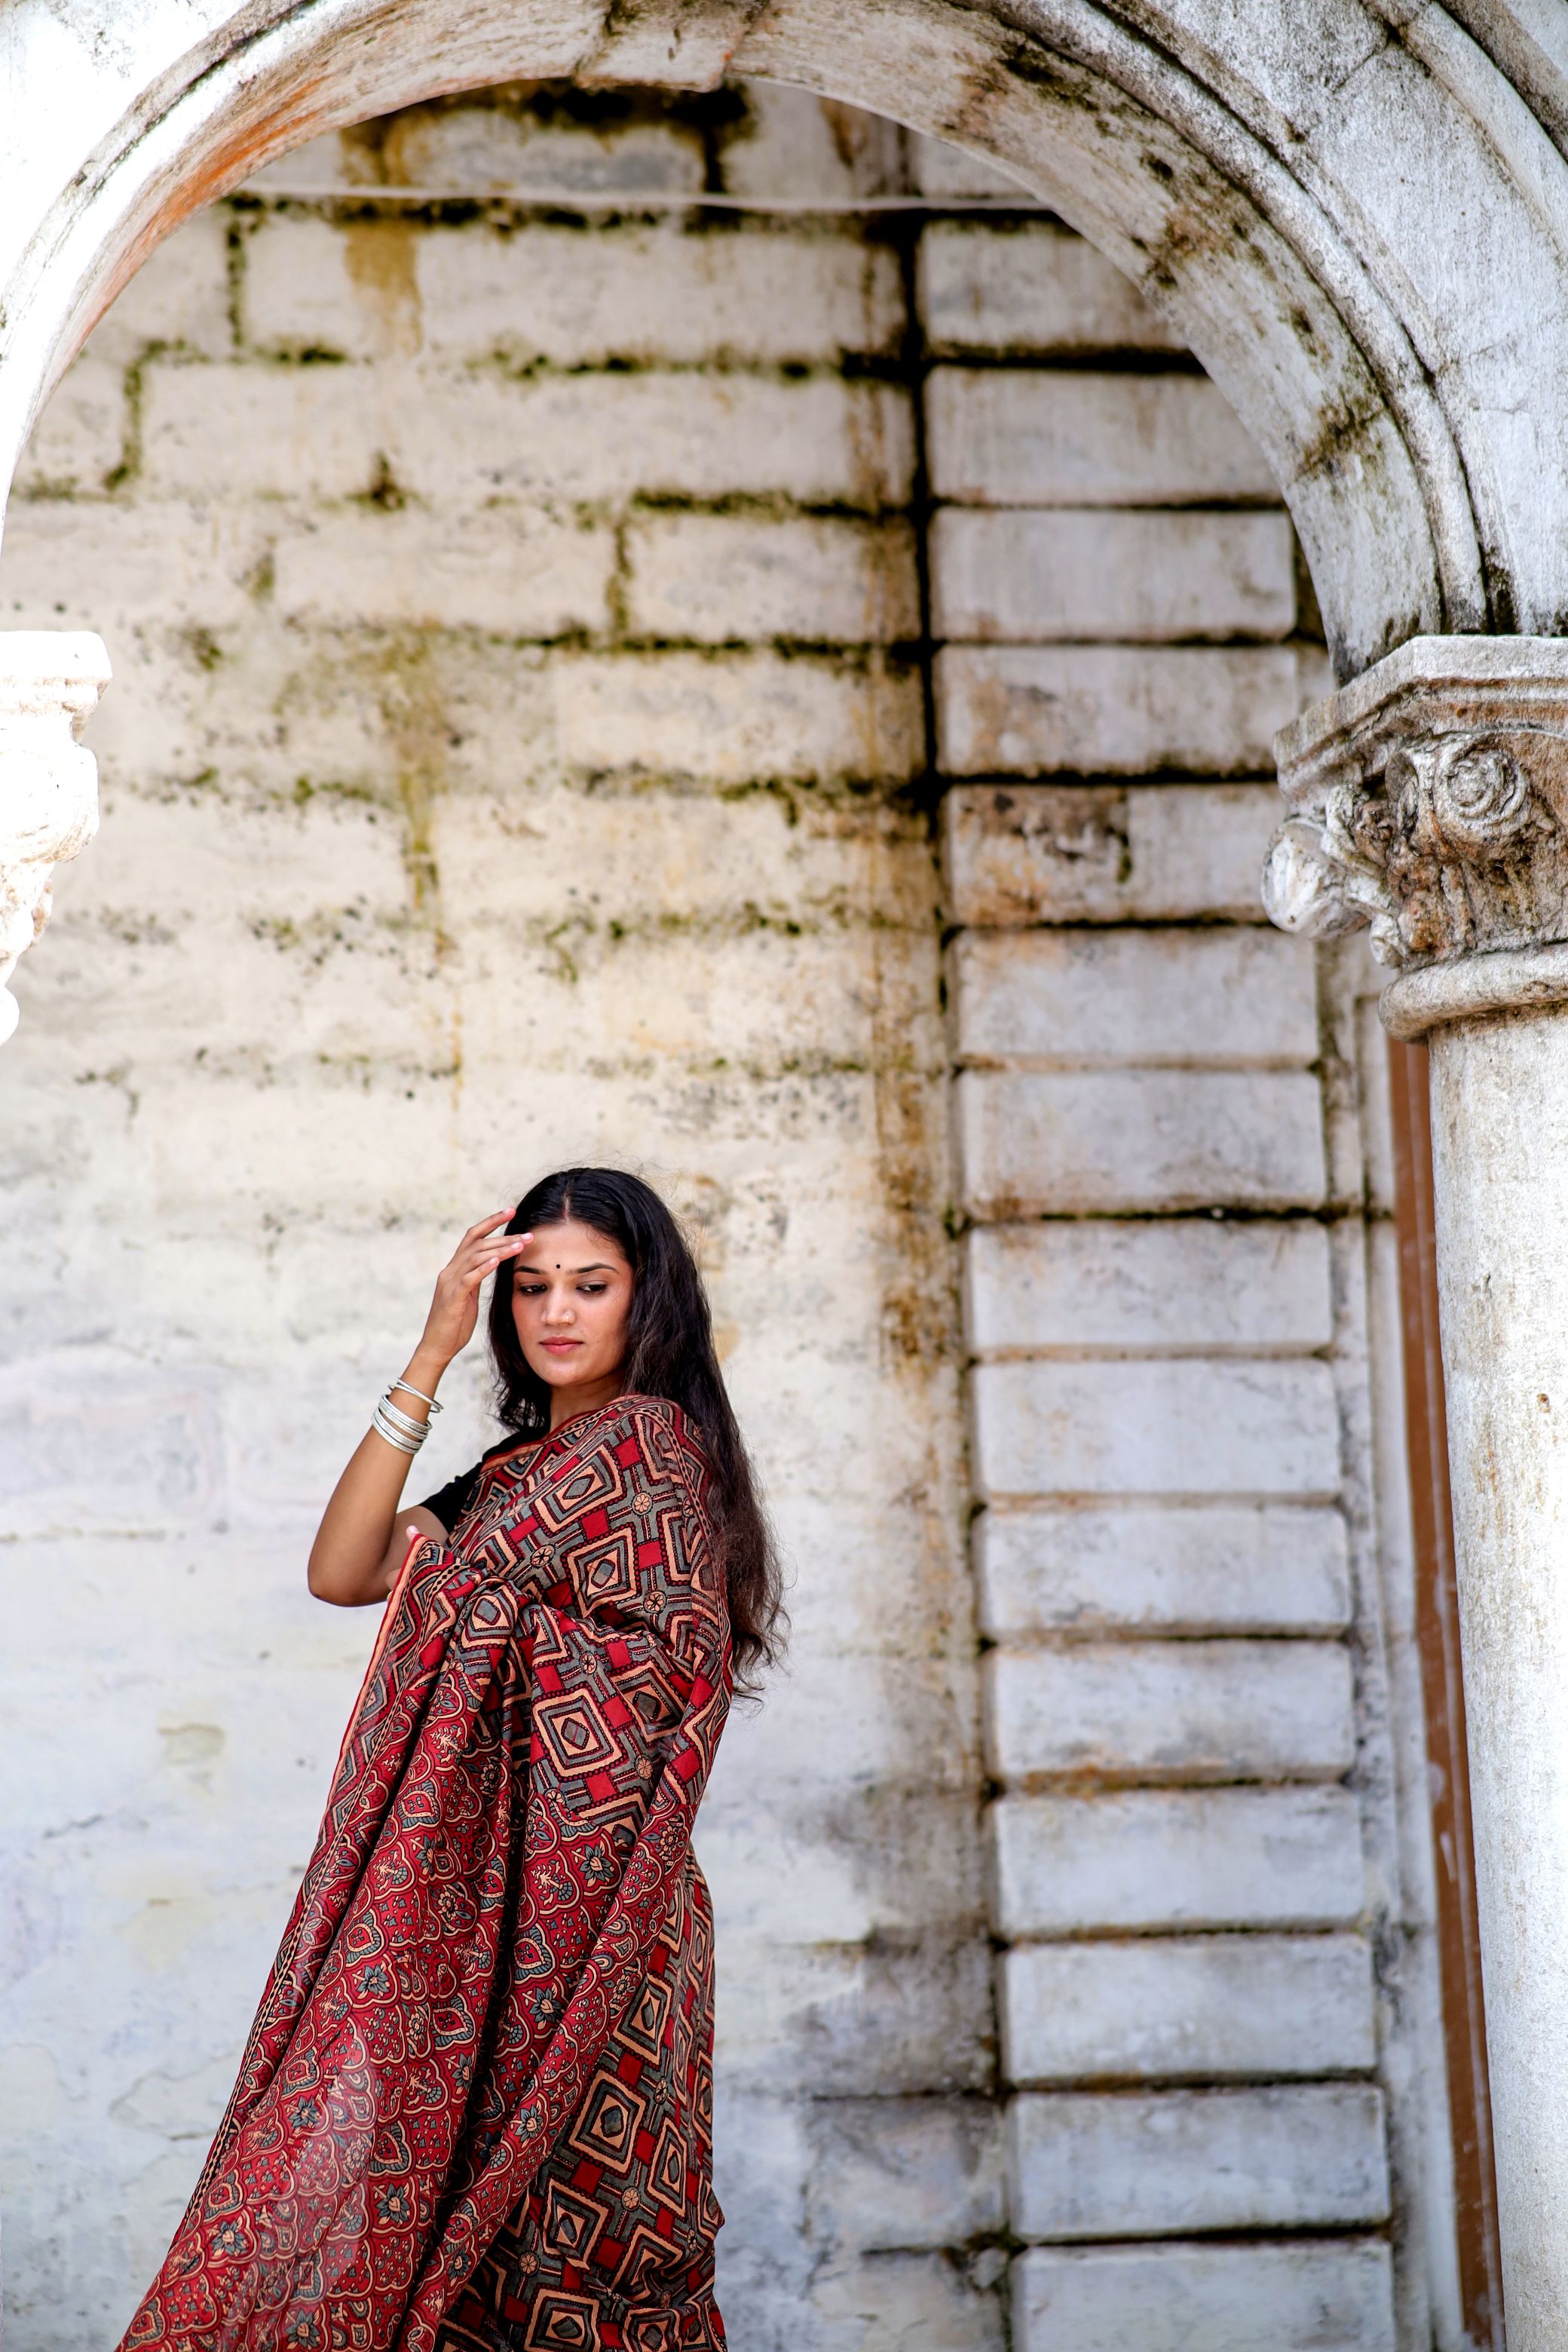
x=1300 y=200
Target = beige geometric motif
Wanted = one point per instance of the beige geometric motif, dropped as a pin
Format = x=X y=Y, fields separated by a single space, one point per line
x=578 y=1740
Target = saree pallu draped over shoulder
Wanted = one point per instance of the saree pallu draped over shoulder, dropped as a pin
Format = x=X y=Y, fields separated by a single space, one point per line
x=474 y=2113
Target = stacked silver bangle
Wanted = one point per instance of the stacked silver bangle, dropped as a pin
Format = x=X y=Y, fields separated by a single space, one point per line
x=400 y=1428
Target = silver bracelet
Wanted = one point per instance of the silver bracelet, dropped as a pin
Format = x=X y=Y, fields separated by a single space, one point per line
x=389 y=1436
x=386 y=1428
x=404 y=1421
x=418 y=1392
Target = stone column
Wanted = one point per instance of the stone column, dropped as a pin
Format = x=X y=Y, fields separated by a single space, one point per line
x=50 y=680
x=1429 y=800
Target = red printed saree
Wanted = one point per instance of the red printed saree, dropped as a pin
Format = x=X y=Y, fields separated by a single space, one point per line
x=474 y=2112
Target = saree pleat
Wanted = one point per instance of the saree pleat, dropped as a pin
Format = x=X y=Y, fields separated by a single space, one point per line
x=474 y=2113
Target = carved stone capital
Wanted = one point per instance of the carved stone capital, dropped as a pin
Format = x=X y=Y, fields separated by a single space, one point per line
x=1428 y=802
x=50 y=681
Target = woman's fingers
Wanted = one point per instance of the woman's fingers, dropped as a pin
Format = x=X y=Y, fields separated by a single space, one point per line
x=478 y=1254
x=468 y=1249
x=482 y=1235
x=488 y=1225
x=480 y=1231
x=487 y=1257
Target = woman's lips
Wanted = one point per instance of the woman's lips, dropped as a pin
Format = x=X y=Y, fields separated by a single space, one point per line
x=560 y=1346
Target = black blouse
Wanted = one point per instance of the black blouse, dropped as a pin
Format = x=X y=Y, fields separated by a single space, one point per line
x=449 y=1502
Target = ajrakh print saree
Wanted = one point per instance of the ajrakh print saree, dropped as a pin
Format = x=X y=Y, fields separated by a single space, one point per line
x=474 y=2107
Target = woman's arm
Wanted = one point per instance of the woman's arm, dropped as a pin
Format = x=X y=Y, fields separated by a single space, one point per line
x=363 y=1538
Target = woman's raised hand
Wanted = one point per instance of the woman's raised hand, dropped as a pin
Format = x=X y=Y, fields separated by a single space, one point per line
x=455 y=1309
x=359 y=1546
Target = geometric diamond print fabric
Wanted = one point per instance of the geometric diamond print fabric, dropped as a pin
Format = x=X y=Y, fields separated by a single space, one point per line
x=614 y=2244
x=474 y=2113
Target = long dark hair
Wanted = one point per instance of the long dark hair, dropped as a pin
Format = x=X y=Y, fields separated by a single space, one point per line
x=669 y=1353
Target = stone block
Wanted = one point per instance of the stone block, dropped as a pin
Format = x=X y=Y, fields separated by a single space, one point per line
x=1028 y=577
x=1136 y=997
x=1193 y=1427
x=1171 y=1711
x=79 y=441
x=787 y=1876
x=891 y=2018
x=794 y=146
x=1132 y=2164
x=317 y=289
x=1230 y=1568
x=815 y=579
x=857 y=1722
x=943 y=170
x=178 y=299
x=1035 y=1143
x=327 y=165
x=657 y=990
x=185 y=980
x=241 y=429
x=1082 y=437
x=477 y=150
x=155 y=570
x=893 y=2302
x=689 y=861
x=737 y=719
x=511 y=571
x=1189 y=1285
x=315 y=1061
x=1215 y=2007
x=1024 y=288
x=1139 y=1859
x=911 y=2172
x=1316 y=2295
x=682 y=436
x=339 y=431
x=627 y=292
x=744 y=294
x=1021 y=853
x=1114 y=710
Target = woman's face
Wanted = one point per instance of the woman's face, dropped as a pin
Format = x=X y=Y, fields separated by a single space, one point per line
x=571 y=1293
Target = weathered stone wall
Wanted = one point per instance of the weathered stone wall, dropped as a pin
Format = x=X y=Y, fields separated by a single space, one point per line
x=543 y=639
x=1215 y=1952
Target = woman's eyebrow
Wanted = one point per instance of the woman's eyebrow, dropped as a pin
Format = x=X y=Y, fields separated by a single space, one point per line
x=531 y=1266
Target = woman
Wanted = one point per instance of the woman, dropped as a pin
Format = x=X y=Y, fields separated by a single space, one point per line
x=474 y=2107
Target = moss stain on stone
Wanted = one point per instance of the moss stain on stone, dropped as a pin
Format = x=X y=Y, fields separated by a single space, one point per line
x=382 y=260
